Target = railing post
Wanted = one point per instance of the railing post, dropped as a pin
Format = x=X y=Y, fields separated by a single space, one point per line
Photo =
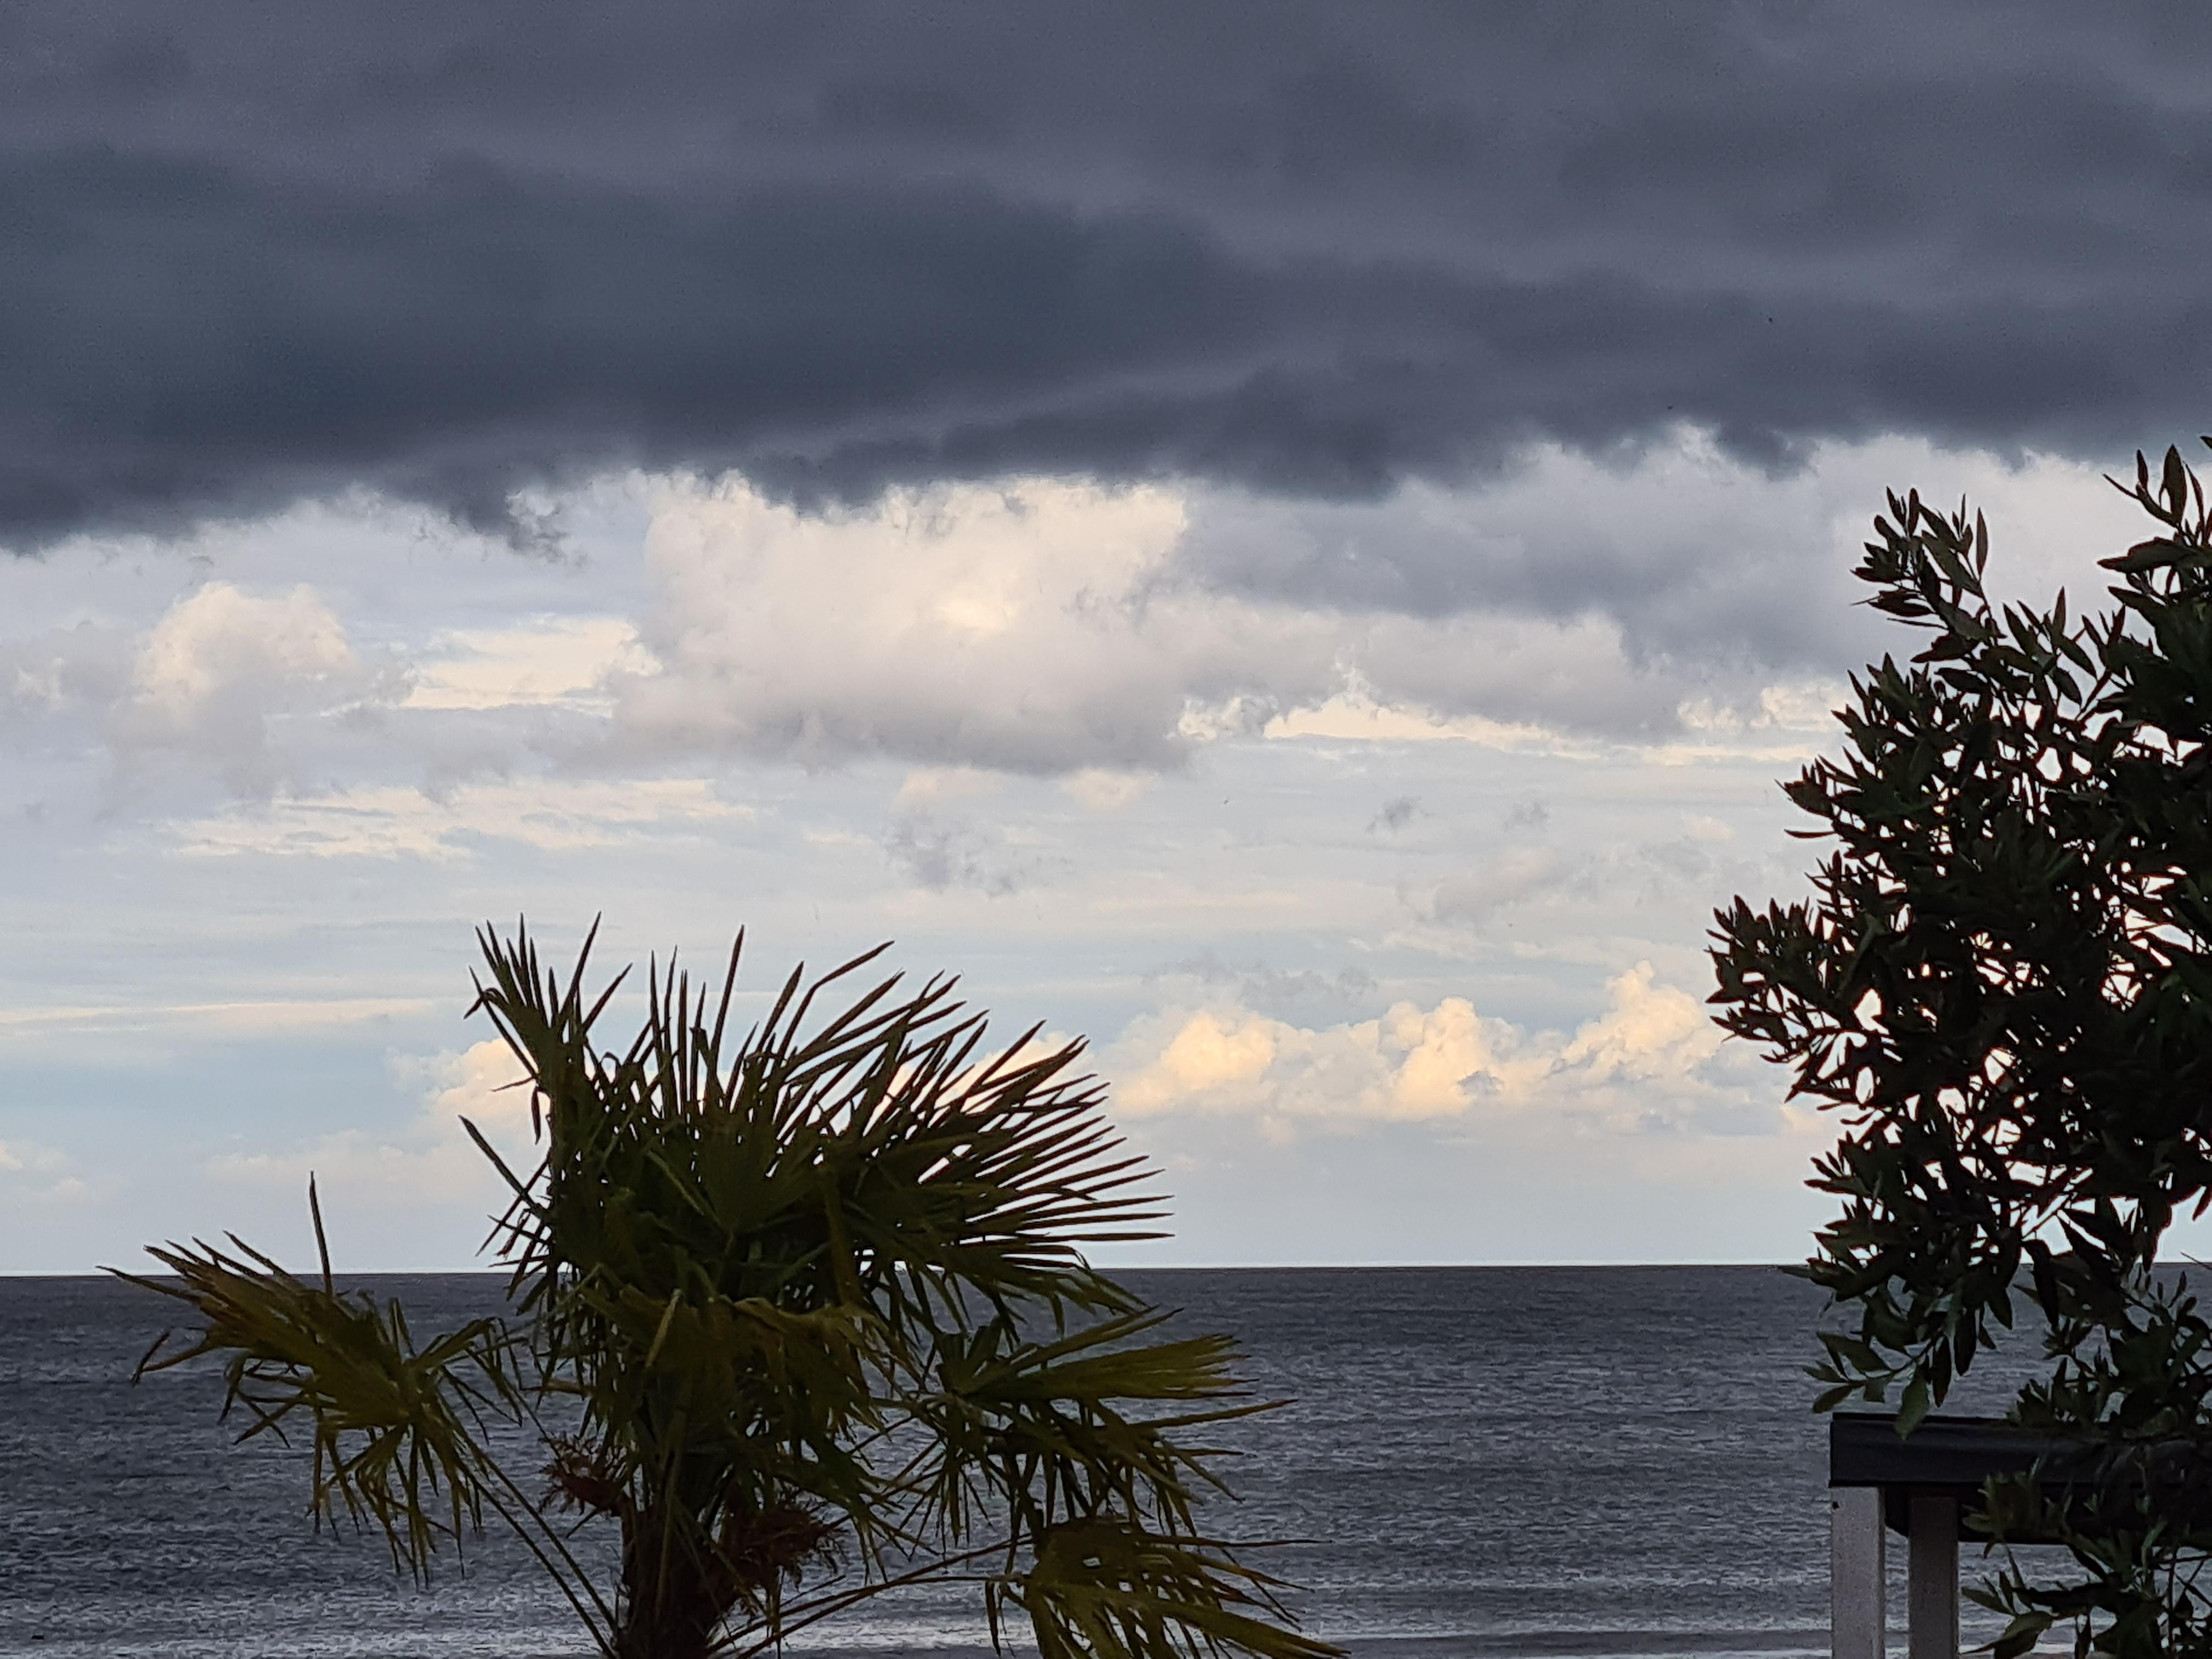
x=1932 y=1592
x=1856 y=1621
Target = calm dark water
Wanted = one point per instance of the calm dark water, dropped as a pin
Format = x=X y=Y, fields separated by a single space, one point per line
x=1486 y=1461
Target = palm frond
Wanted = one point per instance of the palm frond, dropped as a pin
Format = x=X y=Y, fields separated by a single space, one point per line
x=1104 y=1589
x=1040 y=1430
x=396 y=1428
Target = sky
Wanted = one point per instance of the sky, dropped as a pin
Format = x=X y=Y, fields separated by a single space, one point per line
x=1294 y=542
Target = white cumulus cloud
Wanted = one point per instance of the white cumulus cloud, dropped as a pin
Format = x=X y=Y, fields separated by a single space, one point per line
x=1650 y=1059
x=1061 y=628
x=1014 y=628
x=228 y=681
x=224 y=666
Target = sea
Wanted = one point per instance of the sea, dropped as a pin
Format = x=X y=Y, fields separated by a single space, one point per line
x=1490 y=1462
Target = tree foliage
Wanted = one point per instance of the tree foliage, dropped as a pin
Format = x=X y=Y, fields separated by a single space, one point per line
x=800 y=1315
x=2003 y=981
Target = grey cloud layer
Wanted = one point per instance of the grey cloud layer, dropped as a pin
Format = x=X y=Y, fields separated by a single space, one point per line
x=453 y=251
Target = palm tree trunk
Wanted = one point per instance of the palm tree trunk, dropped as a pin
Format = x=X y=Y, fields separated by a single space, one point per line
x=669 y=1609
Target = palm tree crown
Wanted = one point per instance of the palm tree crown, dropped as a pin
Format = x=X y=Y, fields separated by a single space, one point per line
x=802 y=1315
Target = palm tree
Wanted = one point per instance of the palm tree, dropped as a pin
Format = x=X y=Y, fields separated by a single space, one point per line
x=803 y=1317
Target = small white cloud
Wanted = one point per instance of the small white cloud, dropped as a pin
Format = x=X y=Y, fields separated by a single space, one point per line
x=222 y=637
x=223 y=666
x=1651 y=1031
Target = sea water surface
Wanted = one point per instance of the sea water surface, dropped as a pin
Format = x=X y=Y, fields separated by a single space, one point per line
x=1520 y=1461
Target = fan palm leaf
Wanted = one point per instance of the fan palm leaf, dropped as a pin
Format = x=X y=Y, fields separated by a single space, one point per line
x=813 y=1298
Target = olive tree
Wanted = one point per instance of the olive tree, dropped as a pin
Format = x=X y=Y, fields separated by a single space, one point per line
x=2002 y=981
x=798 y=1316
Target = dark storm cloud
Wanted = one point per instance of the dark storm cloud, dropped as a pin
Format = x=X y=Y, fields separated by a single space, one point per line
x=452 y=250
